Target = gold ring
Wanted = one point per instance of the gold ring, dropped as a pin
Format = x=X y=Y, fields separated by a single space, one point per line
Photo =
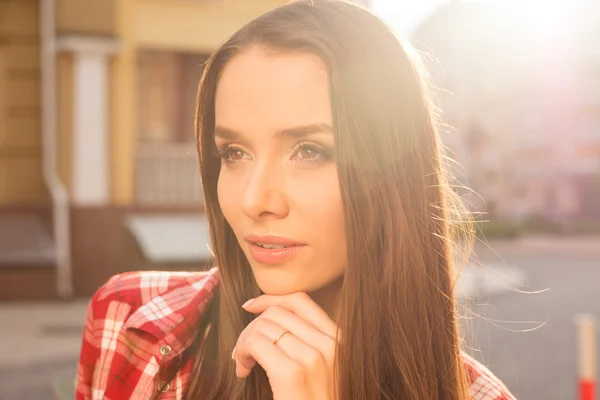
x=283 y=332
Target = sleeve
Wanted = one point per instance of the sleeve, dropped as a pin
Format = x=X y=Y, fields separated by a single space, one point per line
x=90 y=352
x=484 y=385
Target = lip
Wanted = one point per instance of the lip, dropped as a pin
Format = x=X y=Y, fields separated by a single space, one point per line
x=271 y=239
x=273 y=256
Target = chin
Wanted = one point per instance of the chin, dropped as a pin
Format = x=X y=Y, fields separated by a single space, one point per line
x=278 y=282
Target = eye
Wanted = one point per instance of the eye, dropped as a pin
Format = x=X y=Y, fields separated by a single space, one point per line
x=310 y=152
x=232 y=154
x=307 y=153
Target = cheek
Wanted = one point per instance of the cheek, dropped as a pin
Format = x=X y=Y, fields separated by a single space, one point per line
x=229 y=196
x=328 y=225
x=320 y=205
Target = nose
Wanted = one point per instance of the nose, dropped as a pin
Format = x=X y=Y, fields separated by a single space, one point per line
x=264 y=194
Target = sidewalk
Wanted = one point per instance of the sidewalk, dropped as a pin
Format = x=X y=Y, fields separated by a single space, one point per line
x=35 y=332
x=41 y=347
x=42 y=340
x=45 y=332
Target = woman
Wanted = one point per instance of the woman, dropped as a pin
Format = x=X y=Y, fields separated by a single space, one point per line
x=328 y=209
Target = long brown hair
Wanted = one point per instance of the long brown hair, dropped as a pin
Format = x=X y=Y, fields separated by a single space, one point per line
x=397 y=310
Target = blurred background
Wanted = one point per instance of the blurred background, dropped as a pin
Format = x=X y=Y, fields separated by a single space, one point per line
x=98 y=171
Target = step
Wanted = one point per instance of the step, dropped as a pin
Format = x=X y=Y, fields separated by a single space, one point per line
x=25 y=242
x=168 y=238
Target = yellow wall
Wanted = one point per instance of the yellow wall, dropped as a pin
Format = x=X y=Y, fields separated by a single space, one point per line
x=169 y=25
x=193 y=26
x=172 y=25
x=123 y=107
x=91 y=17
x=20 y=140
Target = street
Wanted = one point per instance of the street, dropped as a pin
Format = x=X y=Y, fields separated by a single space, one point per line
x=528 y=340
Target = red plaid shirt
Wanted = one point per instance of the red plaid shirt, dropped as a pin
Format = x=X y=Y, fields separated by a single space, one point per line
x=139 y=323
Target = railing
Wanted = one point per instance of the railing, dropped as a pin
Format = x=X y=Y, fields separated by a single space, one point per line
x=167 y=174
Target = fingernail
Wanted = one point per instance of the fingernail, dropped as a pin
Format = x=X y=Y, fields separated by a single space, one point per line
x=233 y=353
x=247 y=303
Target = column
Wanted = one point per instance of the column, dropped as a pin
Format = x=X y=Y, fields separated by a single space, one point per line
x=90 y=168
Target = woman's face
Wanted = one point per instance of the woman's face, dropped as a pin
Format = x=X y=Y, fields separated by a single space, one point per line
x=278 y=187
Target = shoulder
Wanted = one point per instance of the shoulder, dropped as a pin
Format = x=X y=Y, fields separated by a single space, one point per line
x=162 y=307
x=133 y=290
x=483 y=384
x=156 y=302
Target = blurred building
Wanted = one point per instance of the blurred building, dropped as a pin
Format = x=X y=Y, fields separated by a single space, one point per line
x=98 y=170
x=519 y=86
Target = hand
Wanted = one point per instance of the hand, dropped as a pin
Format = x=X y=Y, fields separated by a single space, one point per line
x=300 y=365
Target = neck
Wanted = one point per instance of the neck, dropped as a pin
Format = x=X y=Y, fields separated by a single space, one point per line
x=328 y=297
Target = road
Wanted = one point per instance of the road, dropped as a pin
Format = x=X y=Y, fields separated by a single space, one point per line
x=536 y=360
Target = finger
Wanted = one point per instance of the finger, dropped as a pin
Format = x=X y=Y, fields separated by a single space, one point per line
x=306 y=355
x=249 y=363
x=268 y=328
x=300 y=304
x=301 y=329
x=258 y=348
x=312 y=361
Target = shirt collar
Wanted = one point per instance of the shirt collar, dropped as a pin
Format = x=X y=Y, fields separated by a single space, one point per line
x=173 y=316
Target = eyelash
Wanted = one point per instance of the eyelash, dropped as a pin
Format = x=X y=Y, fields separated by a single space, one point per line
x=319 y=150
x=224 y=152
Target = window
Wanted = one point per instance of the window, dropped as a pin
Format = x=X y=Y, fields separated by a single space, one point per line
x=167 y=94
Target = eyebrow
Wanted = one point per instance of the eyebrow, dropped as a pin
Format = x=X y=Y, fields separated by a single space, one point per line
x=295 y=132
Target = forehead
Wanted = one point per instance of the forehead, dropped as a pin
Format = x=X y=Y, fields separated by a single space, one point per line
x=267 y=90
